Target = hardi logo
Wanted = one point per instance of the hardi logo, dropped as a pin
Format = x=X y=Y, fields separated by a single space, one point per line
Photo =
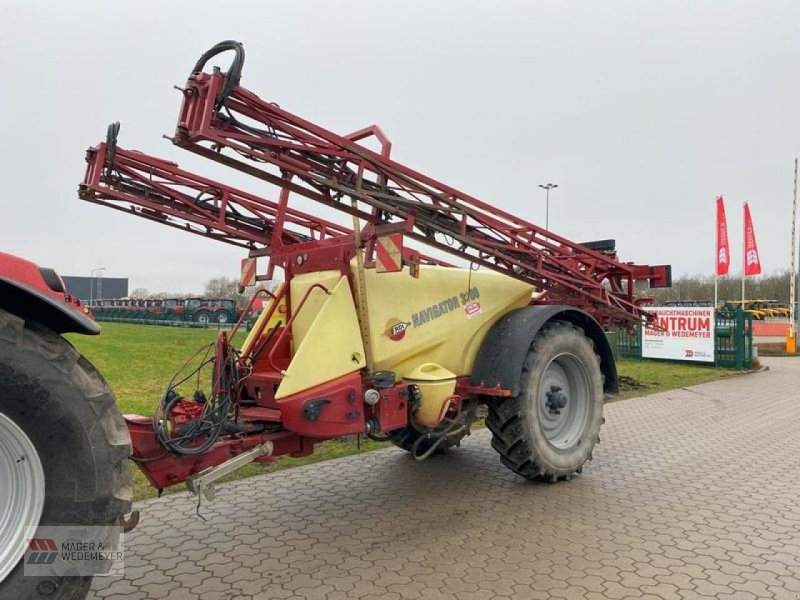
x=43 y=551
x=396 y=330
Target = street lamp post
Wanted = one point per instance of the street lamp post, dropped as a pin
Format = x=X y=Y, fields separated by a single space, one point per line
x=547 y=187
x=91 y=282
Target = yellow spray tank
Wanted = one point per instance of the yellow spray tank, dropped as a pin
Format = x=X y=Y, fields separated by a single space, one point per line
x=439 y=318
x=436 y=385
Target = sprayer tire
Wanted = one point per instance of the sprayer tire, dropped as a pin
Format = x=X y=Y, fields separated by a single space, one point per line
x=535 y=437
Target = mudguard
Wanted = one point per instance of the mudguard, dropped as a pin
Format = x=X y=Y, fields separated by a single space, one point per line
x=503 y=351
x=38 y=294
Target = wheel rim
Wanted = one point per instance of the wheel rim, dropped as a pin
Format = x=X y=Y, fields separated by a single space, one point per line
x=22 y=492
x=223 y=317
x=563 y=401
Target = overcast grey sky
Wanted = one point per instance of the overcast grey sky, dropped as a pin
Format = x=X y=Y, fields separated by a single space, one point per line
x=642 y=112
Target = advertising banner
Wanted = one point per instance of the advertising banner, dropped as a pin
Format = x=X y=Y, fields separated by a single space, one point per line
x=752 y=264
x=685 y=333
x=723 y=247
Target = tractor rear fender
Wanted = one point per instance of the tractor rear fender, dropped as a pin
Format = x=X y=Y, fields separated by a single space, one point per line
x=38 y=294
x=503 y=350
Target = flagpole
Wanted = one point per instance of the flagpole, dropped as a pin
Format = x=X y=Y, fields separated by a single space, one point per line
x=716 y=253
x=793 y=268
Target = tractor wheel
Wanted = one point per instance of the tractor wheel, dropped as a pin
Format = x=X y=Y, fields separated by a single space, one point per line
x=222 y=317
x=63 y=452
x=202 y=317
x=549 y=429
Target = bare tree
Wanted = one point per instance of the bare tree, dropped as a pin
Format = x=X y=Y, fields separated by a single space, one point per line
x=773 y=286
x=163 y=295
x=228 y=287
x=221 y=287
x=271 y=285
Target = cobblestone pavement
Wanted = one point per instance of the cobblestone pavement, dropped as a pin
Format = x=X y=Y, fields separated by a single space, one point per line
x=692 y=494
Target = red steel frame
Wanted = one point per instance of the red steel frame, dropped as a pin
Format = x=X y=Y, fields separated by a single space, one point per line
x=158 y=190
x=302 y=158
x=391 y=197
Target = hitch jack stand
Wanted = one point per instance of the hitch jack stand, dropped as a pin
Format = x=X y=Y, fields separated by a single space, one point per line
x=202 y=483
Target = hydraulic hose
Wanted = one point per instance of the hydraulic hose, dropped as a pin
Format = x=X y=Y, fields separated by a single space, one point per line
x=234 y=73
x=111 y=147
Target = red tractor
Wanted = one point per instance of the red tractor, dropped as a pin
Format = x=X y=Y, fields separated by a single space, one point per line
x=210 y=311
x=366 y=336
x=64 y=446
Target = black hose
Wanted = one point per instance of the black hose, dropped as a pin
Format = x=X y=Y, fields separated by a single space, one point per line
x=437 y=438
x=111 y=147
x=210 y=425
x=234 y=73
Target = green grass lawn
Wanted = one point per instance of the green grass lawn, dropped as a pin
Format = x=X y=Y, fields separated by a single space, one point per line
x=642 y=377
x=139 y=360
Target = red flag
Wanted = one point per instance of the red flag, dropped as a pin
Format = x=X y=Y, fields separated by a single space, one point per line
x=723 y=248
x=752 y=264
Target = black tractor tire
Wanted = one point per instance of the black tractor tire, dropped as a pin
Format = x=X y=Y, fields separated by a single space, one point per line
x=202 y=317
x=65 y=407
x=534 y=434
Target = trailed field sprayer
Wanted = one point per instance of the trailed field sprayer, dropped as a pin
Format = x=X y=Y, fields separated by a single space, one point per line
x=366 y=336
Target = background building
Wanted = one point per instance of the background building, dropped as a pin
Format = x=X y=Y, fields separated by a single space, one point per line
x=96 y=287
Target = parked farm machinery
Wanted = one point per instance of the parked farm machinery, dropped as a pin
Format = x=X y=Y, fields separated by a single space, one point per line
x=366 y=336
x=760 y=310
x=195 y=312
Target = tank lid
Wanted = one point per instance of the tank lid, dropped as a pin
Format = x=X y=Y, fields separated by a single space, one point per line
x=429 y=372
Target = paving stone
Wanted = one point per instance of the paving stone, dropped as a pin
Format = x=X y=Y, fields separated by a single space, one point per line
x=690 y=495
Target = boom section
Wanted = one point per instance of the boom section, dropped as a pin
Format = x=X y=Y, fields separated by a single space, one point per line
x=156 y=189
x=232 y=125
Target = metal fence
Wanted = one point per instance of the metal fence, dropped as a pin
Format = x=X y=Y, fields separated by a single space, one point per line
x=733 y=341
x=733 y=345
x=175 y=323
x=629 y=342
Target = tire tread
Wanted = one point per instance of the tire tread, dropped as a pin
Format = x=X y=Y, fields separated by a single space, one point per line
x=27 y=353
x=506 y=417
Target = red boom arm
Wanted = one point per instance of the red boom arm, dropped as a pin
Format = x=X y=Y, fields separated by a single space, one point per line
x=301 y=157
x=157 y=189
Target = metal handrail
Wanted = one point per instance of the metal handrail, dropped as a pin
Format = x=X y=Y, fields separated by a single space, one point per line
x=250 y=307
x=289 y=323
